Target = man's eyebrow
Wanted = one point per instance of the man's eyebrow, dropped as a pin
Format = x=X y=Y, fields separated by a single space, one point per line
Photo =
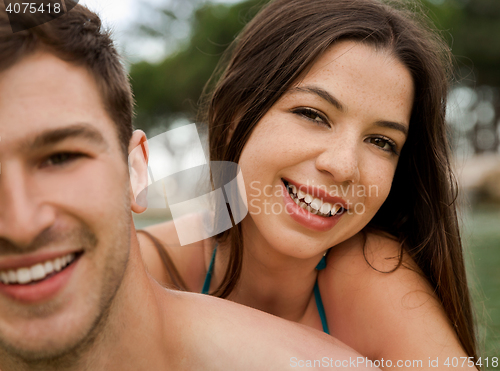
x=393 y=125
x=322 y=93
x=54 y=136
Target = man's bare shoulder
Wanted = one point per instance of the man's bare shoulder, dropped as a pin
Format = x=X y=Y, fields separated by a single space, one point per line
x=221 y=335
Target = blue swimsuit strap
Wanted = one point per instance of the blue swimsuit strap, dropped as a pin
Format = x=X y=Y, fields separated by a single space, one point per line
x=208 y=277
x=317 y=295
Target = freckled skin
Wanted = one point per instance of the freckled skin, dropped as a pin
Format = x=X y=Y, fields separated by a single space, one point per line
x=309 y=140
x=372 y=85
x=336 y=153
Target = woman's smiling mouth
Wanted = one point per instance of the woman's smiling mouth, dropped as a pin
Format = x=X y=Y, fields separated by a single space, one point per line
x=312 y=212
x=313 y=204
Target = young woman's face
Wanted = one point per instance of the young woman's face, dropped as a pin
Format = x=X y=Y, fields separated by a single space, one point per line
x=332 y=144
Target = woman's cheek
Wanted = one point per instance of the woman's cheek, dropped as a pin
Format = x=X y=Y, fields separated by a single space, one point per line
x=255 y=208
x=379 y=187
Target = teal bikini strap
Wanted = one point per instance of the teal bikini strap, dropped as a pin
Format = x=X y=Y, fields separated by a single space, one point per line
x=321 y=309
x=317 y=295
x=208 y=277
x=322 y=264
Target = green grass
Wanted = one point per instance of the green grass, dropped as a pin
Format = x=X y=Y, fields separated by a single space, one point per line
x=481 y=235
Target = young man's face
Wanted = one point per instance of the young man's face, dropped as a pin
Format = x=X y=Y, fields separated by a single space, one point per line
x=64 y=207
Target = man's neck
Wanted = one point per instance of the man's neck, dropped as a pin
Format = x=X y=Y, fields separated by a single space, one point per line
x=133 y=336
x=129 y=334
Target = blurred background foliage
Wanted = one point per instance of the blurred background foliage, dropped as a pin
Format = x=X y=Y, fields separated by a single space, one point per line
x=168 y=90
x=195 y=34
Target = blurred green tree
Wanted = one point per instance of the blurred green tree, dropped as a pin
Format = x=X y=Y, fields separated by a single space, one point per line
x=471 y=28
x=170 y=90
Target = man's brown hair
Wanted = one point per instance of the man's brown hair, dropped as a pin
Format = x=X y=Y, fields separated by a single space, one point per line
x=79 y=38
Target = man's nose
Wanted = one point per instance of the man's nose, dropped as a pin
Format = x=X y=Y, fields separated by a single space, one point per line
x=341 y=160
x=24 y=214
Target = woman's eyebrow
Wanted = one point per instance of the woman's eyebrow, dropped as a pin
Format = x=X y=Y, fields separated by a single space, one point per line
x=322 y=93
x=393 y=125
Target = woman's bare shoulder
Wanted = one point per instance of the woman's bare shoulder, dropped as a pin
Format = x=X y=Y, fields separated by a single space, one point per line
x=379 y=251
x=189 y=260
x=388 y=310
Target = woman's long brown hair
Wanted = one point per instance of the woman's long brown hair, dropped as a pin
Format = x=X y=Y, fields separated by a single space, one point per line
x=270 y=55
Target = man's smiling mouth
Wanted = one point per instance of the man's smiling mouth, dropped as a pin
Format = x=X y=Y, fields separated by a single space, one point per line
x=37 y=272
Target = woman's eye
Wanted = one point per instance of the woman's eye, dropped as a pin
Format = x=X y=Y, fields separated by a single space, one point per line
x=384 y=143
x=58 y=159
x=312 y=115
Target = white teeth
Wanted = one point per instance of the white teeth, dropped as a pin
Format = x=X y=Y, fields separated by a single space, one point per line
x=316 y=204
x=12 y=276
x=325 y=208
x=57 y=264
x=23 y=275
x=312 y=204
x=301 y=195
x=36 y=272
x=335 y=208
x=48 y=267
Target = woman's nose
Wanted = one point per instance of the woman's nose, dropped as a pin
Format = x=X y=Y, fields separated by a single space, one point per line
x=341 y=160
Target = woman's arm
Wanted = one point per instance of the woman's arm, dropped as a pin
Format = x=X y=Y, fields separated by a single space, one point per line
x=392 y=316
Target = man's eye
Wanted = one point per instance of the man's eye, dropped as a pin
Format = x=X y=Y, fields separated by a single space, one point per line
x=312 y=115
x=58 y=159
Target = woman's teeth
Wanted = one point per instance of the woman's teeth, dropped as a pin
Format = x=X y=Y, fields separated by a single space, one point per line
x=311 y=204
x=36 y=272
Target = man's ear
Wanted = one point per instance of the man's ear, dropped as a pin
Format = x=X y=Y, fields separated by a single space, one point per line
x=138 y=165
